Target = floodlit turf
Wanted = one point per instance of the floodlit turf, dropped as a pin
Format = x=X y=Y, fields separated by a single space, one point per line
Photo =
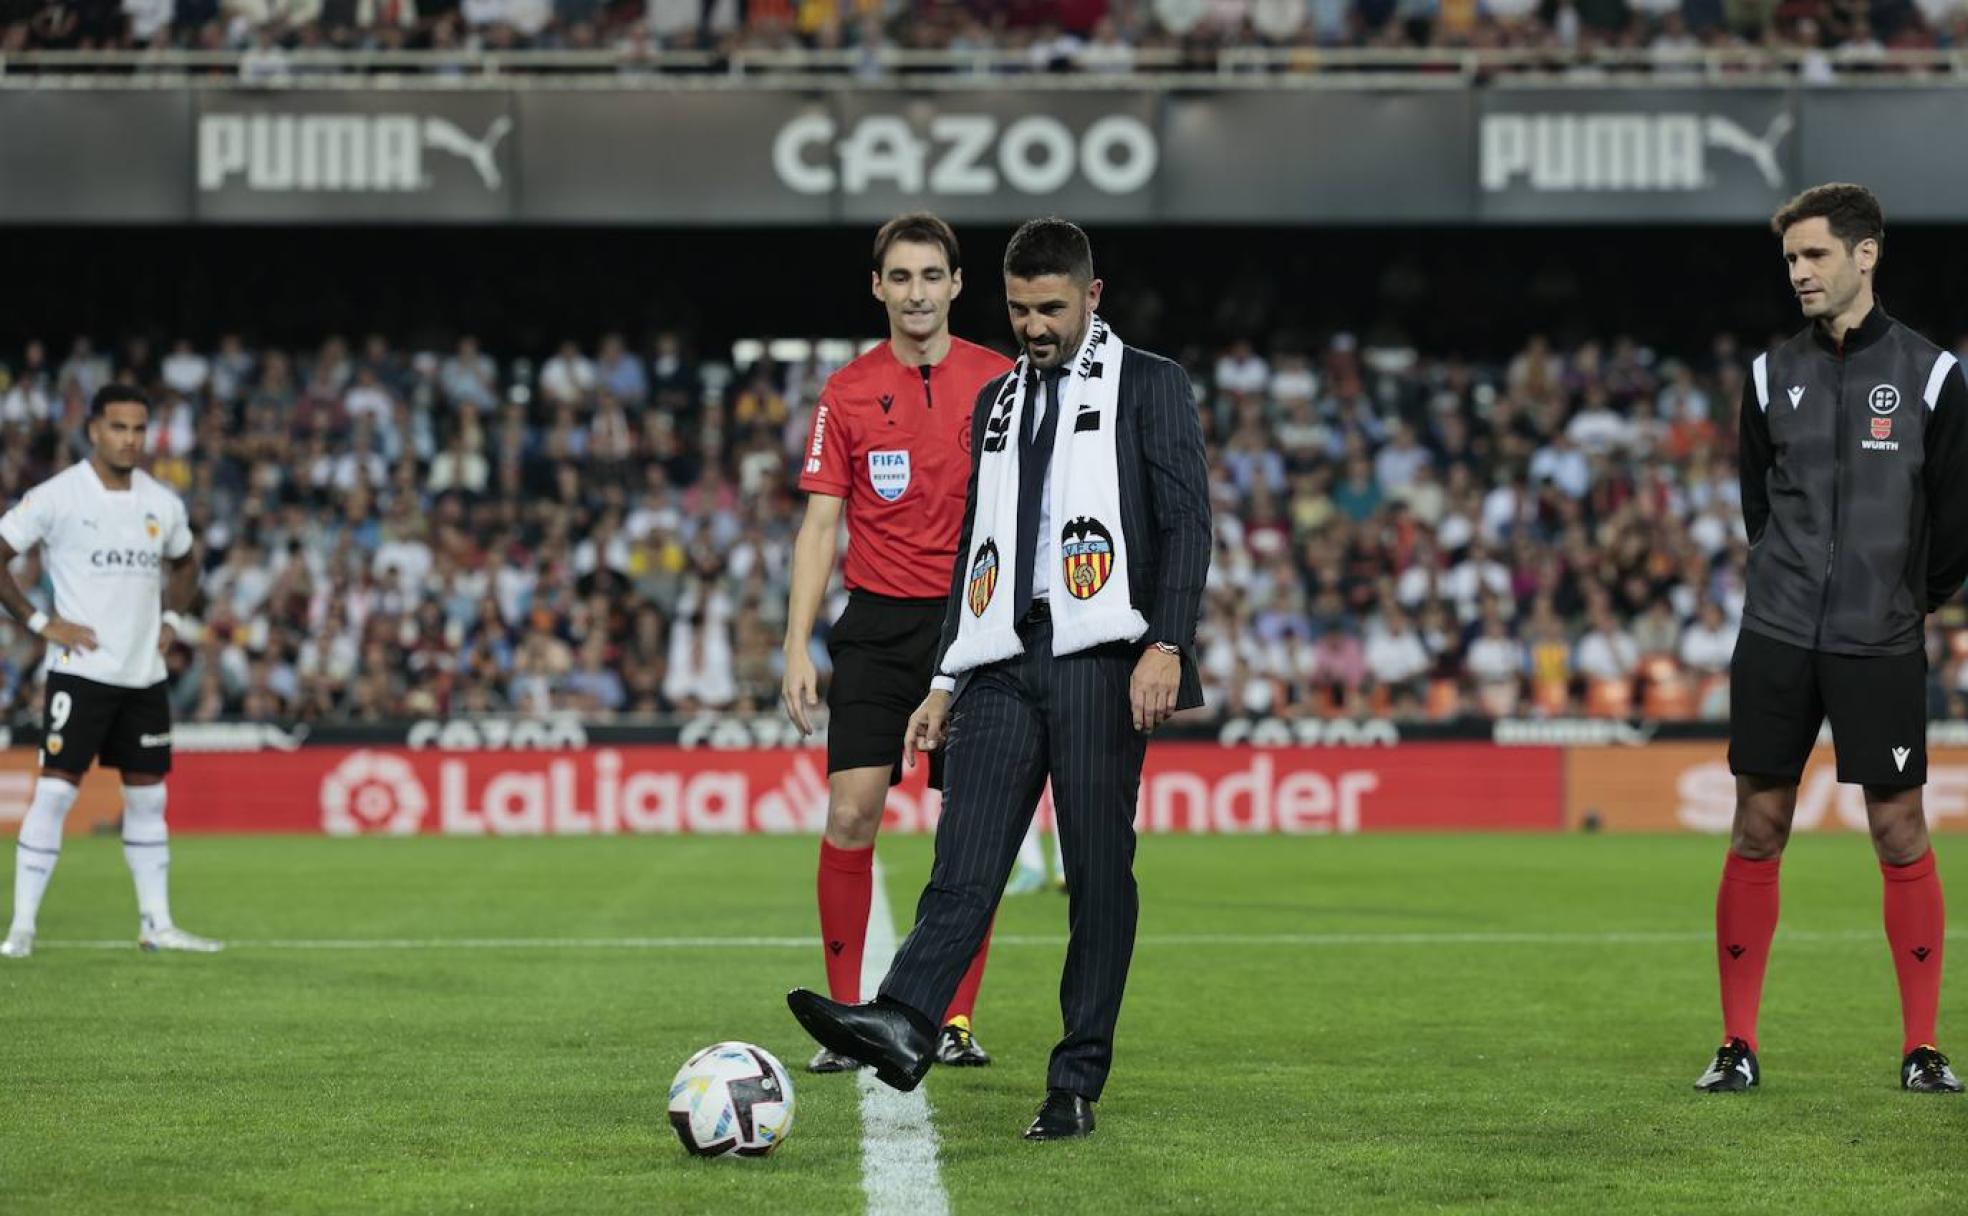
x=1378 y=1072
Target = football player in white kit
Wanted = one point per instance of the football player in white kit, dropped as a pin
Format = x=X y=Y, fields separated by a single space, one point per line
x=109 y=532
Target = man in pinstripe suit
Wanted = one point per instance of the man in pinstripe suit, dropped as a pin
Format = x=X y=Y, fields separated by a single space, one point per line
x=1081 y=719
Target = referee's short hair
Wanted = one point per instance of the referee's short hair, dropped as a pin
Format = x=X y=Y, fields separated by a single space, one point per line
x=1049 y=246
x=116 y=394
x=920 y=228
x=1850 y=209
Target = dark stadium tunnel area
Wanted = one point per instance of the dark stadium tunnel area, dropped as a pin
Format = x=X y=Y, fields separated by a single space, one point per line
x=1476 y=292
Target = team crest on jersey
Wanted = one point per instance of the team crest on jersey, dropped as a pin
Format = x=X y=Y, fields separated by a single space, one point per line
x=1883 y=399
x=888 y=473
x=1086 y=556
x=53 y=744
x=152 y=525
x=983 y=577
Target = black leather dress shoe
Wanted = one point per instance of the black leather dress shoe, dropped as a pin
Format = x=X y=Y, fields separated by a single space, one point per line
x=1062 y=1116
x=893 y=1039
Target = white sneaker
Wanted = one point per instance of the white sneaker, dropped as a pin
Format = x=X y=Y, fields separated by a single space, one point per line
x=19 y=944
x=1026 y=879
x=174 y=938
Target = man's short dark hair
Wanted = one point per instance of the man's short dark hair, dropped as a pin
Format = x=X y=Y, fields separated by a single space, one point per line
x=1851 y=210
x=920 y=228
x=116 y=394
x=1049 y=246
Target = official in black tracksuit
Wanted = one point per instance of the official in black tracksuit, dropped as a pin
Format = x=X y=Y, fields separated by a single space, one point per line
x=1855 y=497
x=1081 y=719
x=1854 y=469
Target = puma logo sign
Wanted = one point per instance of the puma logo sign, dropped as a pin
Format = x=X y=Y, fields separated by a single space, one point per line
x=835 y=948
x=1727 y=134
x=446 y=136
x=1900 y=755
x=1735 y=951
x=1920 y=953
x=1796 y=395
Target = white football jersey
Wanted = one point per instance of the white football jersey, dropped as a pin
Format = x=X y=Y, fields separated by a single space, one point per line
x=105 y=550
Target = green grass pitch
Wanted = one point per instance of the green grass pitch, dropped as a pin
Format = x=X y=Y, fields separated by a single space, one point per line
x=1389 y=1024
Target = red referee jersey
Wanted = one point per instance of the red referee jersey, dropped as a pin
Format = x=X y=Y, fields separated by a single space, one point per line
x=894 y=441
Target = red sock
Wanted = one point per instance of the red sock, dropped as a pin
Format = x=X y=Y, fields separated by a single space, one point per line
x=1916 y=928
x=1745 y=921
x=847 y=886
x=964 y=1003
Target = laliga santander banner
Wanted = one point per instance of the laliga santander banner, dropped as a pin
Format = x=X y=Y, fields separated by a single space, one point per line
x=665 y=789
x=661 y=790
x=1668 y=787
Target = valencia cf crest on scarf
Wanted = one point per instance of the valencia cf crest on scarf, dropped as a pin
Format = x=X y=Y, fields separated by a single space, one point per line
x=983 y=577
x=1086 y=555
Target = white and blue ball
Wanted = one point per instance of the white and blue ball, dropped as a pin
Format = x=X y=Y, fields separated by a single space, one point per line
x=732 y=1100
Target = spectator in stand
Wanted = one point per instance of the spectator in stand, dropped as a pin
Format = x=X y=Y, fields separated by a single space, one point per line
x=1607 y=652
x=1655 y=631
x=1496 y=666
x=1709 y=643
x=620 y=373
x=470 y=378
x=1395 y=656
x=1400 y=462
x=569 y=378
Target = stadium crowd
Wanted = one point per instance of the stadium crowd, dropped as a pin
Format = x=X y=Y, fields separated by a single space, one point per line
x=388 y=533
x=1047 y=35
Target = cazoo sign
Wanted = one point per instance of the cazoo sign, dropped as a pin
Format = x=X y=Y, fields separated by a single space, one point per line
x=959 y=153
x=974 y=155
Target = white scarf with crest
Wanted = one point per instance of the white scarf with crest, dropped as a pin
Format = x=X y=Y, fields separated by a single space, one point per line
x=1087 y=586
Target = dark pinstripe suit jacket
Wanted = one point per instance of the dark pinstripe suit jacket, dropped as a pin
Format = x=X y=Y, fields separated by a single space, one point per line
x=1165 y=510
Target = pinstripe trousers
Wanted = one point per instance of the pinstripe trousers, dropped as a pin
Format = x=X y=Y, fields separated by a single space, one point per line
x=1013 y=725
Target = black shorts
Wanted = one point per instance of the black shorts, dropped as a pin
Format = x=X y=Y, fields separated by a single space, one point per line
x=83 y=721
x=883 y=651
x=1779 y=695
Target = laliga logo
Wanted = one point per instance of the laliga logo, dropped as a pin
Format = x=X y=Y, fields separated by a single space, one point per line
x=1036 y=154
x=800 y=800
x=373 y=792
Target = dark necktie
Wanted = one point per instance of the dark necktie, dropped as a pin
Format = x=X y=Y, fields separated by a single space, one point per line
x=1034 y=459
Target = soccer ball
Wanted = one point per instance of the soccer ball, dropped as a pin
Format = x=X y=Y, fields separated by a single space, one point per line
x=731 y=1100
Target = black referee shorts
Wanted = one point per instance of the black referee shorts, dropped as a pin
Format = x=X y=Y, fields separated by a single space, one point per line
x=884 y=650
x=1780 y=694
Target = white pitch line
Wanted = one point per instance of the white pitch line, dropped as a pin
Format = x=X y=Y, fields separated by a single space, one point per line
x=899 y=1171
x=1609 y=938
x=470 y=943
x=872 y=973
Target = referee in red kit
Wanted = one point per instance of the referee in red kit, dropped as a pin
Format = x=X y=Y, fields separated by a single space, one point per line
x=890 y=448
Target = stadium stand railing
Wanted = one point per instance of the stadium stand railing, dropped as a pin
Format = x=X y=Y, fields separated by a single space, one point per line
x=1149 y=67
